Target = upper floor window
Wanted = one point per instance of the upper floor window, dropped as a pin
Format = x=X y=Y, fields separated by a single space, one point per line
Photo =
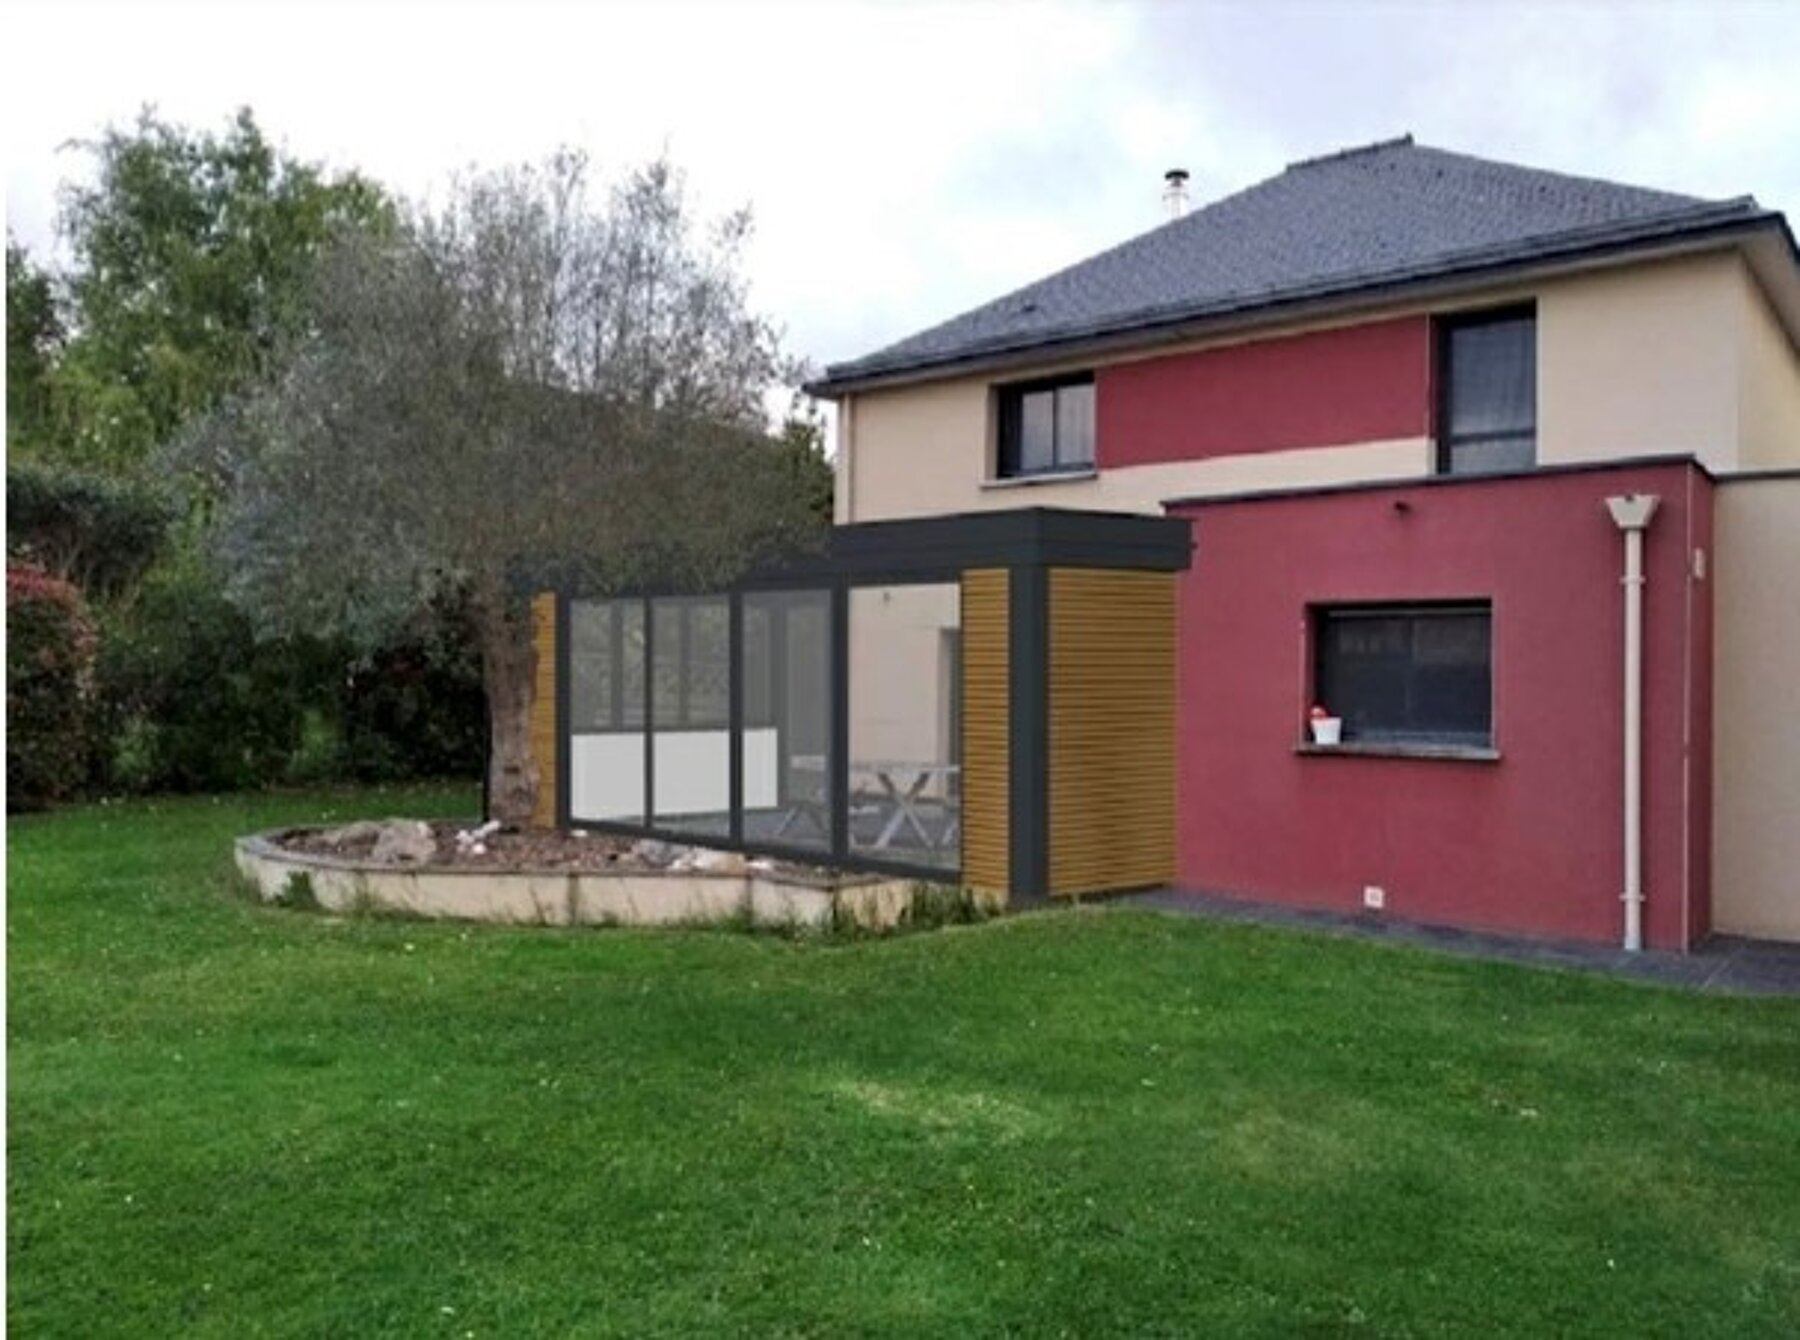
x=1487 y=372
x=1046 y=426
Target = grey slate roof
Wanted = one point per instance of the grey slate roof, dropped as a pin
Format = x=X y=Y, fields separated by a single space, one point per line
x=1362 y=218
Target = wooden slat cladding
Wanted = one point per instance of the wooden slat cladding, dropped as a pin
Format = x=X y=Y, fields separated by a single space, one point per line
x=987 y=730
x=543 y=709
x=1112 y=730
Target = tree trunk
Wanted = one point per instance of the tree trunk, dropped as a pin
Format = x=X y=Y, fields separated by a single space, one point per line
x=508 y=669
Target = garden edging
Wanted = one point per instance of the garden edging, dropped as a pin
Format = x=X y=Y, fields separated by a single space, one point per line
x=639 y=897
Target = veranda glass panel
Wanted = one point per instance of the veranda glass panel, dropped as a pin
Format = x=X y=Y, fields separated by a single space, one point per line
x=905 y=691
x=606 y=714
x=690 y=654
x=787 y=718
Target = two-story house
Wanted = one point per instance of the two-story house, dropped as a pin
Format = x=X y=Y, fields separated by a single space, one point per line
x=1416 y=406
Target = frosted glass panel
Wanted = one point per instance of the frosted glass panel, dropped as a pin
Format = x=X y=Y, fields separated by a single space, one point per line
x=606 y=778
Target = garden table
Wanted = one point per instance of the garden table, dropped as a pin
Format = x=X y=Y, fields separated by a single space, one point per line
x=903 y=784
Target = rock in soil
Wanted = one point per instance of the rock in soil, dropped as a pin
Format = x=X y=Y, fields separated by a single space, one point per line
x=362 y=833
x=655 y=854
x=405 y=842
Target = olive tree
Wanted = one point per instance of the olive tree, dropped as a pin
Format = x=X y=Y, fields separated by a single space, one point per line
x=534 y=382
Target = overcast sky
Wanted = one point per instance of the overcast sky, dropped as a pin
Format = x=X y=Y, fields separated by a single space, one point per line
x=907 y=161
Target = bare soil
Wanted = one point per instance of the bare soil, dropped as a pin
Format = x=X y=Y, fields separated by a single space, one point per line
x=532 y=850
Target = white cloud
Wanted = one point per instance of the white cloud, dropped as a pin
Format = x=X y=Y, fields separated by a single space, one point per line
x=908 y=161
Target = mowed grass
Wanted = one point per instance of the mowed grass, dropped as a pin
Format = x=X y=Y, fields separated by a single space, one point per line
x=226 y=1119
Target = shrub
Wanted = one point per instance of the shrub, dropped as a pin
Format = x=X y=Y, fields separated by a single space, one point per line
x=189 y=699
x=50 y=648
x=934 y=905
x=415 y=708
x=99 y=532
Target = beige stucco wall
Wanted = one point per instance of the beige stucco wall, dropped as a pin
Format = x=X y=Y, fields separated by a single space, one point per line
x=1769 y=384
x=1756 y=721
x=1641 y=361
x=1672 y=357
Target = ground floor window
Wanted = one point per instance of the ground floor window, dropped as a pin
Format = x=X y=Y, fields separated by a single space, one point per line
x=1415 y=673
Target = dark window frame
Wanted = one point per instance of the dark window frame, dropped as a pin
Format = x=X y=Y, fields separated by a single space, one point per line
x=1445 y=329
x=1009 y=425
x=1402 y=736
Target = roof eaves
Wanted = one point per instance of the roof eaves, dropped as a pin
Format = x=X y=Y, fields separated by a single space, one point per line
x=1712 y=217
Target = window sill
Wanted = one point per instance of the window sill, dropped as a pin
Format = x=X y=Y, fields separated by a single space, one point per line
x=1456 y=753
x=1041 y=477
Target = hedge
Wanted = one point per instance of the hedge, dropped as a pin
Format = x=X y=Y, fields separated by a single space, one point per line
x=50 y=651
x=99 y=532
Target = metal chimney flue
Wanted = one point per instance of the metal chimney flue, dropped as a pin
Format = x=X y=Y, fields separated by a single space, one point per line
x=1175 y=192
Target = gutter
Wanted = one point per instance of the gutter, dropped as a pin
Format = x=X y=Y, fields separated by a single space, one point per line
x=1719 y=223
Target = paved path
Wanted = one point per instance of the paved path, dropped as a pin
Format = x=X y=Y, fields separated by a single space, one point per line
x=1725 y=964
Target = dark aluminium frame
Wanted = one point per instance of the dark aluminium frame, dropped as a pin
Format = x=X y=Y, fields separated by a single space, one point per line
x=1320 y=614
x=1009 y=426
x=1027 y=542
x=1444 y=328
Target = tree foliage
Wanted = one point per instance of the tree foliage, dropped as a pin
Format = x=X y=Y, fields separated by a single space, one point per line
x=98 y=531
x=803 y=437
x=193 y=253
x=529 y=384
x=191 y=266
x=34 y=333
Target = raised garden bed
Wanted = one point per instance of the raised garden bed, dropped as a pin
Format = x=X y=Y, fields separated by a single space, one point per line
x=447 y=870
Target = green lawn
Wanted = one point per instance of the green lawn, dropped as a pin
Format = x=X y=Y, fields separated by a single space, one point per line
x=226 y=1119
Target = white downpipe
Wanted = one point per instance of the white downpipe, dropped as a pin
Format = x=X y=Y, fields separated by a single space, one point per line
x=1631 y=513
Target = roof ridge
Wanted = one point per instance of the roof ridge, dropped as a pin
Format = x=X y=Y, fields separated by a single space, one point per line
x=1403 y=141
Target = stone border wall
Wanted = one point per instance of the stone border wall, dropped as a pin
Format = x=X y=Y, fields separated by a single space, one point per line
x=566 y=897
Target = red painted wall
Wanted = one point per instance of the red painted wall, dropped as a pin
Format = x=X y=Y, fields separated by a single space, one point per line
x=1357 y=384
x=1530 y=843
